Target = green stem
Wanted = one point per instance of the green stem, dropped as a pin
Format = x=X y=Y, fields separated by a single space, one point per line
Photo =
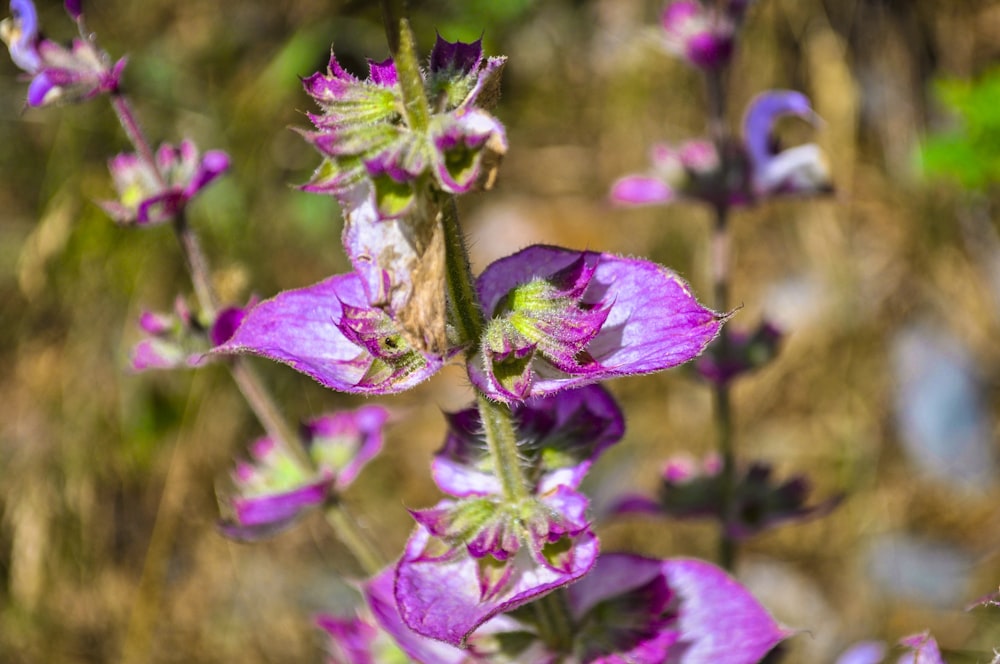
x=411 y=82
x=467 y=312
x=349 y=532
x=501 y=440
x=555 y=625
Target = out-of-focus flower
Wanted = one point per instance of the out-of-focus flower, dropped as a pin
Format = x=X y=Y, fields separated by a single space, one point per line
x=363 y=134
x=562 y=318
x=698 y=34
x=180 y=339
x=755 y=170
x=155 y=193
x=58 y=73
x=922 y=649
x=329 y=331
x=744 y=352
x=273 y=489
x=691 y=490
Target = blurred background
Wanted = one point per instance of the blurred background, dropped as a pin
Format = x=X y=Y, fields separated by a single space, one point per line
x=886 y=388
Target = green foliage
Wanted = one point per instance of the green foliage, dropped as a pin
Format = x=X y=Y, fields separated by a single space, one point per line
x=970 y=153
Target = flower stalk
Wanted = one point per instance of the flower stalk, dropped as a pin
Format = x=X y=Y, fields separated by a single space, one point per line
x=719 y=250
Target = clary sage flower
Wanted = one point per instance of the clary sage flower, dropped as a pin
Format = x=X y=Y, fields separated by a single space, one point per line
x=58 y=73
x=274 y=488
x=364 y=136
x=560 y=318
x=497 y=553
x=756 y=170
x=153 y=193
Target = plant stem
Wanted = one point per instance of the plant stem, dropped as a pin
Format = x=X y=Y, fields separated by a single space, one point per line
x=349 y=532
x=465 y=307
x=130 y=123
x=723 y=410
x=555 y=626
x=501 y=440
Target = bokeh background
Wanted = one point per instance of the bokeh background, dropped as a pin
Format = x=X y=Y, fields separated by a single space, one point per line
x=886 y=388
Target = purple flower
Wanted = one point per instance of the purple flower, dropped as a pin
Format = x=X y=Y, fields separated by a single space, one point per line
x=923 y=649
x=155 y=193
x=760 y=503
x=329 y=331
x=363 y=138
x=563 y=318
x=500 y=554
x=180 y=339
x=274 y=488
x=699 y=34
x=447 y=593
x=58 y=73
x=756 y=169
x=627 y=609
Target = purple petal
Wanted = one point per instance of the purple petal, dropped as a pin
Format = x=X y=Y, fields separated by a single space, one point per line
x=762 y=114
x=719 y=620
x=925 y=650
x=156 y=354
x=74 y=8
x=378 y=594
x=654 y=322
x=23 y=36
x=269 y=508
x=635 y=504
x=458 y=57
x=383 y=73
x=213 y=164
x=226 y=324
x=442 y=600
x=299 y=328
x=640 y=190
x=40 y=88
x=865 y=652
x=351 y=640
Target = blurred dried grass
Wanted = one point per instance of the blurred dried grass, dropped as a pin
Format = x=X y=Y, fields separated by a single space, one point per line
x=107 y=545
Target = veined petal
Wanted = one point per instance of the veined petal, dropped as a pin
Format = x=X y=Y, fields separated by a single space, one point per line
x=443 y=600
x=718 y=619
x=653 y=322
x=300 y=328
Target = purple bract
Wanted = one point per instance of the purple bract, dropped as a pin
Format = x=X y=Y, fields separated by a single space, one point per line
x=180 y=340
x=564 y=318
x=329 y=331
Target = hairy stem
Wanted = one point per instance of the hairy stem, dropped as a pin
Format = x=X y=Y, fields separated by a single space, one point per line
x=501 y=440
x=723 y=410
x=466 y=310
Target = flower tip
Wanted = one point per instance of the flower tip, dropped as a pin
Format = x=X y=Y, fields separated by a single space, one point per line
x=640 y=190
x=74 y=8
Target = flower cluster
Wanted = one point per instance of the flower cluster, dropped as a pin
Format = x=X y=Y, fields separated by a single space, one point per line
x=275 y=488
x=754 y=170
x=181 y=338
x=58 y=73
x=690 y=490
